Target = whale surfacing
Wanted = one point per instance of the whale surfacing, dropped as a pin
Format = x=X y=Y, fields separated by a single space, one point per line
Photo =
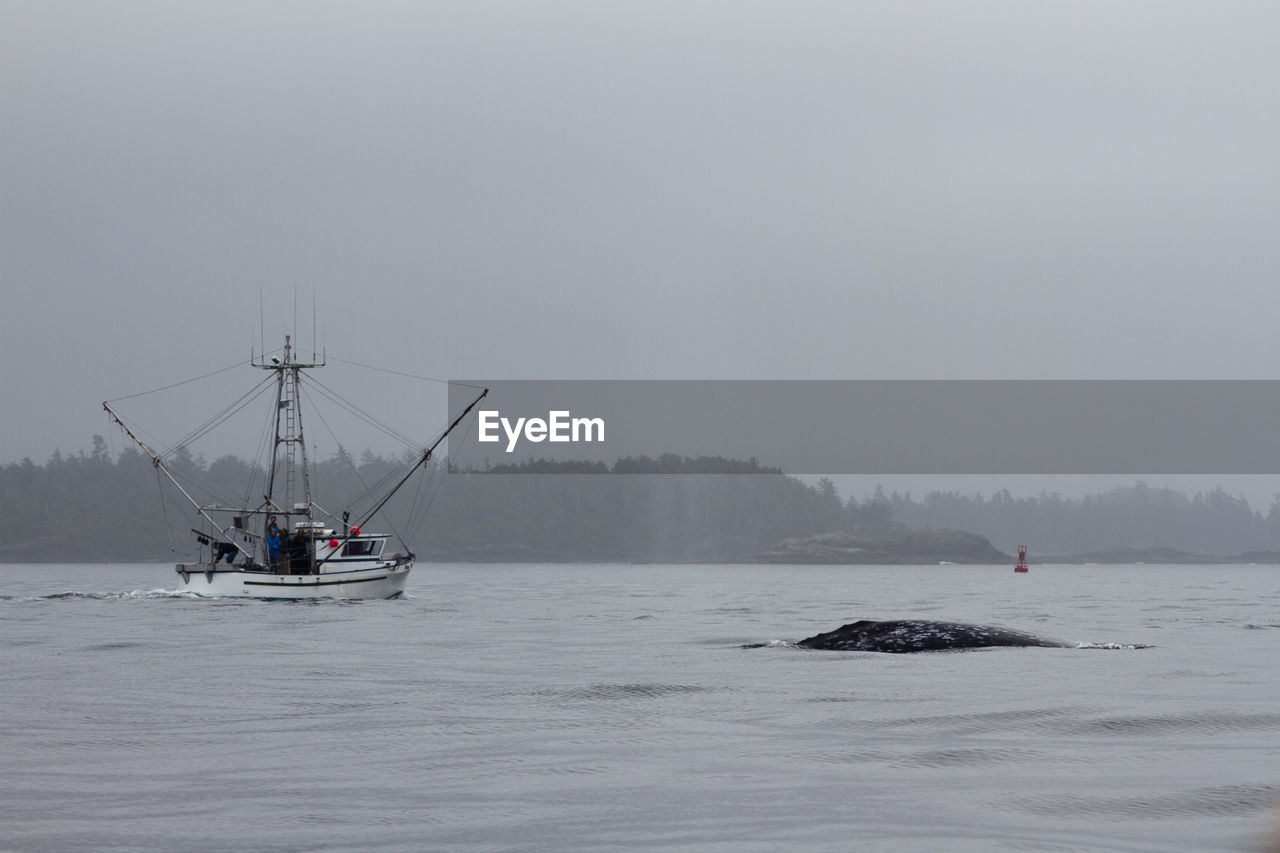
x=917 y=635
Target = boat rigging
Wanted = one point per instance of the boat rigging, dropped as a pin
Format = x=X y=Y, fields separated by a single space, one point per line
x=283 y=546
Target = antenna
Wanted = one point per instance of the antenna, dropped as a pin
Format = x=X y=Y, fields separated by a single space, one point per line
x=262 y=342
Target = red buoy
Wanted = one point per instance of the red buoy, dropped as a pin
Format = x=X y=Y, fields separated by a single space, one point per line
x=1022 y=559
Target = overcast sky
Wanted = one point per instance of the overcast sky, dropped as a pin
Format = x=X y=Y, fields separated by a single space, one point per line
x=633 y=190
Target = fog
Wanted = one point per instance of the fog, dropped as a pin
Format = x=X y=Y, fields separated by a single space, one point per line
x=570 y=190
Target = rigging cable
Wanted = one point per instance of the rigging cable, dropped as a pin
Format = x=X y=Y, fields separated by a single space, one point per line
x=259 y=458
x=367 y=492
x=183 y=382
x=221 y=417
x=164 y=509
x=416 y=503
x=409 y=375
x=342 y=454
x=342 y=402
x=426 y=454
x=438 y=482
x=390 y=476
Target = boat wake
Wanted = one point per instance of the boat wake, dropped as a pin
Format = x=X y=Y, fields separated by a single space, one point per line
x=137 y=594
x=162 y=594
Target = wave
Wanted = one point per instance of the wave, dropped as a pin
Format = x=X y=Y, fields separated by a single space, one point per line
x=1218 y=801
x=628 y=691
x=1204 y=723
x=1112 y=646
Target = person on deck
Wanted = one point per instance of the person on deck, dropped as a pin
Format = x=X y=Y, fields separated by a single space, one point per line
x=299 y=556
x=273 y=547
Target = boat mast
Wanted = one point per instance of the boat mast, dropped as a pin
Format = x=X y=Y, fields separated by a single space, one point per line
x=296 y=499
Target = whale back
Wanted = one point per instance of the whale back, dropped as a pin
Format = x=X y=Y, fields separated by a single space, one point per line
x=917 y=635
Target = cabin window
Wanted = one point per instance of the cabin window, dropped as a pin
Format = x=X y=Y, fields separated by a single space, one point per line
x=361 y=548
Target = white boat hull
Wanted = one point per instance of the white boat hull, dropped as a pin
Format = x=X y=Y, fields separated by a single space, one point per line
x=384 y=581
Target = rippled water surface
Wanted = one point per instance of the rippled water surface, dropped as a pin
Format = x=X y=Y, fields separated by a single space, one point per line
x=600 y=708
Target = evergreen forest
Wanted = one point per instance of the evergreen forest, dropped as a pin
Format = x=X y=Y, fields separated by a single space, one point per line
x=97 y=506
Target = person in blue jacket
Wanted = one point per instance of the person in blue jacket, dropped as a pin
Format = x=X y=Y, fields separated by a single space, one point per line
x=273 y=543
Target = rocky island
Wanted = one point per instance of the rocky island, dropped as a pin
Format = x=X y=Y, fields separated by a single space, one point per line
x=916 y=547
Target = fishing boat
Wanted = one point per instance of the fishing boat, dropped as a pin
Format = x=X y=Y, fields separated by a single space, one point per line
x=287 y=546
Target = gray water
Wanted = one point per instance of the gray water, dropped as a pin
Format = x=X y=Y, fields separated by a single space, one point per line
x=594 y=708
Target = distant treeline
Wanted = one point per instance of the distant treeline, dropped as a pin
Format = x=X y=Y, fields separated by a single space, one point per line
x=91 y=506
x=667 y=463
x=1137 y=516
x=94 y=507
